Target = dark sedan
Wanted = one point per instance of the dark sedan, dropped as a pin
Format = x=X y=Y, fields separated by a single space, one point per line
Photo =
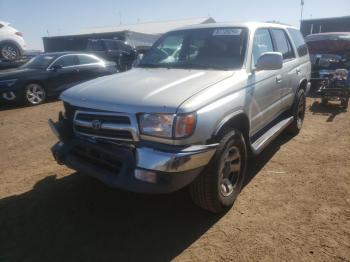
x=49 y=74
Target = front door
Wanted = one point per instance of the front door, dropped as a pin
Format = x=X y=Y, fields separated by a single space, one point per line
x=64 y=77
x=264 y=87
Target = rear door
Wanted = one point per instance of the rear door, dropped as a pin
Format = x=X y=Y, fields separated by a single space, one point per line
x=89 y=67
x=290 y=69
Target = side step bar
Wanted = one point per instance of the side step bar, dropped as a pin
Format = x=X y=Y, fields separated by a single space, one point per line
x=271 y=134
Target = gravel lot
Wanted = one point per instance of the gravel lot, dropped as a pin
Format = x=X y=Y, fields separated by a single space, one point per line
x=295 y=205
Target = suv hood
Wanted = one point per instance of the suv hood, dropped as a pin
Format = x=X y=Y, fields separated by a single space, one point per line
x=143 y=90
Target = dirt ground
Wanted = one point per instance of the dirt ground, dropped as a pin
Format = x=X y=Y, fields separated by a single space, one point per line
x=295 y=205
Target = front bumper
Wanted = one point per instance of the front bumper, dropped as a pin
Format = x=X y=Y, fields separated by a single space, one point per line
x=138 y=167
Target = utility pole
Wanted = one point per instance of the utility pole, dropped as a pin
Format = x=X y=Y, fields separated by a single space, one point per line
x=302 y=9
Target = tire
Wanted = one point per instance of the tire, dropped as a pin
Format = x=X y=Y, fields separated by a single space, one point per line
x=9 y=52
x=345 y=103
x=219 y=184
x=34 y=94
x=298 y=113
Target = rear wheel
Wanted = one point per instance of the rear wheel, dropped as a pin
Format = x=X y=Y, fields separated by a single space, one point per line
x=34 y=94
x=9 y=52
x=217 y=187
x=298 y=111
x=324 y=101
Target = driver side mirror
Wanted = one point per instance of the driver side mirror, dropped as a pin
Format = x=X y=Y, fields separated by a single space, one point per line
x=55 y=67
x=269 y=61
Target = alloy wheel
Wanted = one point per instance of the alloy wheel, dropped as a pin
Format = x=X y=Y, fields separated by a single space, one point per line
x=35 y=94
x=301 y=112
x=230 y=172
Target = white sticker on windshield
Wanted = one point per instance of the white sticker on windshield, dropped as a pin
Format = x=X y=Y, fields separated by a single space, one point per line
x=227 y=31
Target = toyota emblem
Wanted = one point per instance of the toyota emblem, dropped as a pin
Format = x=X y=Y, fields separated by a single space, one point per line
x=96 y=124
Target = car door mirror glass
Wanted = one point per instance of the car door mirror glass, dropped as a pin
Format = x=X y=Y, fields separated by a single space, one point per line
x=269 y=61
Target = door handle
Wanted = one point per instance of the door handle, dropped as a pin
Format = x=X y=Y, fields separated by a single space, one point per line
x=278 y=79
x=298 y=71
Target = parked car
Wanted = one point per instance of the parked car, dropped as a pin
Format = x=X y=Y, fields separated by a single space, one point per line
x=48 y=74
x=12 y=45
x=201 y=99
x=113 y=50
x=328 y=52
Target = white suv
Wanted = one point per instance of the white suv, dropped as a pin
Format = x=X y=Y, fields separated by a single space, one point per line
x=12 y=45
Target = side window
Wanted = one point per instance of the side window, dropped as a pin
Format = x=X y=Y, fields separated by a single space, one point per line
x=262 y=43
x=1 y=25
x=85 y=59
x=67 y=60
x=282 y=44
x=95 y=45
x=299 y=41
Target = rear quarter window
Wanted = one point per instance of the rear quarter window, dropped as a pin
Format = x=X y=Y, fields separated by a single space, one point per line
x=299 y=41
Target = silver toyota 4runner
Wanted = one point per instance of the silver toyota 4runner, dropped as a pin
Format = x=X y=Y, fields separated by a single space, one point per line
x=198 y=104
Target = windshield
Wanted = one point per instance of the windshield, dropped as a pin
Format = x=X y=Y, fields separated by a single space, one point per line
x=208 y=48
x=40 y=61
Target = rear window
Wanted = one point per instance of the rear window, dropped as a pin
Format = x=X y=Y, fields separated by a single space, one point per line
x=299 y=41
x=85 y=60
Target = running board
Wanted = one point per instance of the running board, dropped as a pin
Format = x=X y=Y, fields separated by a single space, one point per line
x=270 y=134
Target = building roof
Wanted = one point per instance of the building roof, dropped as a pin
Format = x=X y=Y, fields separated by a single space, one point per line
x=326 y=18
x=153 y=28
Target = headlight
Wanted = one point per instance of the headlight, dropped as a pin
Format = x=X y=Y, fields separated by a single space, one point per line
x=7 y=83
x=156 y=124
x=167 y=125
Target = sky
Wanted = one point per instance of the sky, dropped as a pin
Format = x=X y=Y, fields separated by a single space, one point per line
x=38 y=18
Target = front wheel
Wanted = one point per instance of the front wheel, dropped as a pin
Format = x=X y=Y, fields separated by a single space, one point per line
x=34 y=94
x=217 y=187
x=298 y=112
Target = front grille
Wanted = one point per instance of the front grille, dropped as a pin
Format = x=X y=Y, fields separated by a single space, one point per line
x=105 y=132
x=104 y=125
x=113 y=119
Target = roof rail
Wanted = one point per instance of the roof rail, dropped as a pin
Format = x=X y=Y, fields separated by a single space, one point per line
x=277 y=22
